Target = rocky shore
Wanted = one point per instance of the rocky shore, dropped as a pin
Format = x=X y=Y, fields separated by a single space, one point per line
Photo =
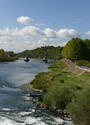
x=36 y=93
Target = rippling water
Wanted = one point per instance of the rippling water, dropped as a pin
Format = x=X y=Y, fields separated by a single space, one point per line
x=16 y=107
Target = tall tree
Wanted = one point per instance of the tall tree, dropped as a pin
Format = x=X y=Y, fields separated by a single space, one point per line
x=74 y=49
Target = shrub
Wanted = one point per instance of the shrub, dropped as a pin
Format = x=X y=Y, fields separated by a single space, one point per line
x=41 y=81
x=79 y=108
x=61 y=81
x=83 y=63
x=40 y=98
x=59 y=97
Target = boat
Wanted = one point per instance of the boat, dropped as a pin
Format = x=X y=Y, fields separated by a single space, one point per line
x=26 y=59
x=45 y=59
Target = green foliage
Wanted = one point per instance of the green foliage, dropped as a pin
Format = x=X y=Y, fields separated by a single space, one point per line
x=62 y=81
x=72 y=96
x=87 y=45
x=49 y=51
x=40 y=98
x=45 y=80
x=87 y=42
x=83 y=63
x=59 y=97
x=41 y=81
x=79 y=108
x=4 y=56
x=74 y=49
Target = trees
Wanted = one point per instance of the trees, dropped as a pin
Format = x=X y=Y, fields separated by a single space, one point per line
x=49 y=51
x=74 y=49
x=3 y=55
x=7 y=56
x=87 y=45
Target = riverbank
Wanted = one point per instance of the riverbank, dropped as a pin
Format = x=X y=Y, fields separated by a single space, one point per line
x=16 y=105
x=64 y=87
x=7 y=56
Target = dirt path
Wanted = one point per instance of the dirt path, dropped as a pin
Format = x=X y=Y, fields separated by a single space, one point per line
x=71 y=67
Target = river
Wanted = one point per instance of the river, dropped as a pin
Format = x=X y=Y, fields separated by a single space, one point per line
x=16 y=107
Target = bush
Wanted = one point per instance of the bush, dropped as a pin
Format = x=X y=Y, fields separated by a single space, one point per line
x=40 y=98
x=61 y=81
x=41 y=81
x=60 y=97
x=79 y=108
x=83 y=63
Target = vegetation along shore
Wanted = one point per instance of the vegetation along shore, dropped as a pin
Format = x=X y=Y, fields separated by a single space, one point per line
x=7 y=56
x=66 y=87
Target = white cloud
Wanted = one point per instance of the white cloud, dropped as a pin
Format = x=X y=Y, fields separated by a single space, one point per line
x=50 y=32
x=40 y=25
x=25 y=20
x=67 y=33
x=88 y=33
x=32 y=30
x=32 y=36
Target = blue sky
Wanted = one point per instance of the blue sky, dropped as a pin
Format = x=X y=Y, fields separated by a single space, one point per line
x=57 y=21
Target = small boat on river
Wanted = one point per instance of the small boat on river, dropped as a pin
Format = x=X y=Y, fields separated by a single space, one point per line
x=45 y=59
x=27 y=59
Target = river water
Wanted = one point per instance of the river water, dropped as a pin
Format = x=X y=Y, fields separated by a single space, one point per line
x=16 y=107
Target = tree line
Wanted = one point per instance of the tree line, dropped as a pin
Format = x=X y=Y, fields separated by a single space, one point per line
x=77 y=49
x=48 y=51
x=7 y=56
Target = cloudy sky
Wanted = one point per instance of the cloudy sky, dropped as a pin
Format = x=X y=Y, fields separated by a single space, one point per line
x=27 y=24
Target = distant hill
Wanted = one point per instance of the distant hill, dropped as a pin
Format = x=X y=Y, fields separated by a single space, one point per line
x=49 y=51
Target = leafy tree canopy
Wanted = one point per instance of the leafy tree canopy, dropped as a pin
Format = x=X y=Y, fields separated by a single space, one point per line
x=74 y=49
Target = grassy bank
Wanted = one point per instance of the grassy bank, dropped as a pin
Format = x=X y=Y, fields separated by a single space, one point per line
x=66 y=88
x=8 y=59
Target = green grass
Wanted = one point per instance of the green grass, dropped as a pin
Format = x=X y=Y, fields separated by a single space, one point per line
x=58 y=74
x=63 y=84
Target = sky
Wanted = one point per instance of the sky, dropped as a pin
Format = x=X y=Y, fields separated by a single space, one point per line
x=28 y=24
